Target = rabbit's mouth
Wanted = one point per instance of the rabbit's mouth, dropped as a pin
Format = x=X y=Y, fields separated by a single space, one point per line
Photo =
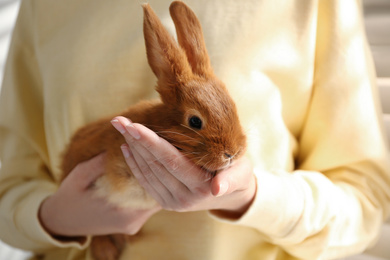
x=211 y=166
x=214 y=172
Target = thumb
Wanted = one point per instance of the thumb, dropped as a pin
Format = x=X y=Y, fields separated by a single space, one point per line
x=237 y=177
x=87 y=172
x=221 y=184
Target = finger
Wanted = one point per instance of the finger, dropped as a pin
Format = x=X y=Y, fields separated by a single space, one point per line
x=174 y=162
x=232 y=179
x=87 y=172
x=159 y=176
x=156 y=148
x=174 y=171
x=149 y=167
x=137 y=134
x=138 y=166
x=220 y=185
x=125 y=127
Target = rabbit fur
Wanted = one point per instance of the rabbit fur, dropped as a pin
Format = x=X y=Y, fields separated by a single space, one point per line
x=195 y=114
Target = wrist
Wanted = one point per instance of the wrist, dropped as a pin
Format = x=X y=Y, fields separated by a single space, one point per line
x=48 y=223
x=47 y=216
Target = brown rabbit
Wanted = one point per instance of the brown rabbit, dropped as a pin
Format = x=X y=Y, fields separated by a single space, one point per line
x=195 y=114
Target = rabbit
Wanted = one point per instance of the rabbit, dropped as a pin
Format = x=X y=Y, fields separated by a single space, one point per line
x=195 y=113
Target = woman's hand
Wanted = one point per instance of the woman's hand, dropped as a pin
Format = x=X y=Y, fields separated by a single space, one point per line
x=74 y=211
x=176 y=183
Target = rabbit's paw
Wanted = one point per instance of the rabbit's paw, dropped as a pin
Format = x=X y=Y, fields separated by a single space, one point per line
x=108 y=247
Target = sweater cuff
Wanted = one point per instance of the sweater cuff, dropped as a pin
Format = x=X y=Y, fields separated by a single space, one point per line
x=32 y=227
x=277 y=205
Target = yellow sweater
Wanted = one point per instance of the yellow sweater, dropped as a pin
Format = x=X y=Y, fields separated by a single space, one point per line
x=303 y=80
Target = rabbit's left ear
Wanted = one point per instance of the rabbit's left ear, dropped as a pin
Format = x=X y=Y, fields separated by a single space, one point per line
x=167 y=60
x=190 y=36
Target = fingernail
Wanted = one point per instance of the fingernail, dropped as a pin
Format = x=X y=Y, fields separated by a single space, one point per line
x=132 y=131
x=223 y=187
x=118 y=126
x=125 y=150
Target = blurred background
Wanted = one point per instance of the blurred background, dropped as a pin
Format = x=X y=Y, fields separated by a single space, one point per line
x=377 y=21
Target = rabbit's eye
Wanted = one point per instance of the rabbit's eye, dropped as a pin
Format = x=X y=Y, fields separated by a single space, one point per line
x=195 y=122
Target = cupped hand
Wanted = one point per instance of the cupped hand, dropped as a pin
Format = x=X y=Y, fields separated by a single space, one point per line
x=176 y=183
x=74 y=210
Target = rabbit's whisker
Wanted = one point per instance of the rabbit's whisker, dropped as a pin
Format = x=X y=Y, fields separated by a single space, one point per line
x=172 y=132
x=165 y=158
x=154 y=126
x=190 y=153
x=198 y=162
x=207 y=169
x=178 y=146
x=193 y=130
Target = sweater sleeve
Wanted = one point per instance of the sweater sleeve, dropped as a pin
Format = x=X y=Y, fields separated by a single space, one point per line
x=335 y=201
x=25 y=178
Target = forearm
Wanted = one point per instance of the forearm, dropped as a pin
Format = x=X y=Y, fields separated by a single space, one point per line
x=24 y=184
x=19 y=208
x=312 y=216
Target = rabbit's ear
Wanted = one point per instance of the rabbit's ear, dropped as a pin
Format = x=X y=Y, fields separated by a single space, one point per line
x=167 y=60
x=190 y=37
